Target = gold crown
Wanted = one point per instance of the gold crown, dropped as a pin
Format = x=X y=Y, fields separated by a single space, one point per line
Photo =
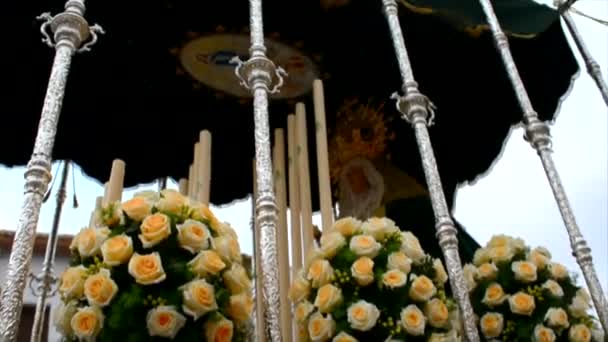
x=361 y=132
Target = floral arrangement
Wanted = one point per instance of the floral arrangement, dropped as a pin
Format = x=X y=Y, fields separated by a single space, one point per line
x=520 y=294
x=368 y=281
x=156 y=266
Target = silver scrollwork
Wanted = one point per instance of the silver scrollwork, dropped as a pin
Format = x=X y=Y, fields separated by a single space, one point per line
x=76 y=22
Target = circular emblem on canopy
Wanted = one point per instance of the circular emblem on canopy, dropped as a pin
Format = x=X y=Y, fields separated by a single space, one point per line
x=207 y=59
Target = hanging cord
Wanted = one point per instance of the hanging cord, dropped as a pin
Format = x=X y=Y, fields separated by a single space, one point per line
x=563 y=6
x=599 y=21
x=74 y=199
x=48 y=192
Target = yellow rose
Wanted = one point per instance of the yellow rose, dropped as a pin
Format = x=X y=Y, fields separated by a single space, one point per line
x=72 y=282
x=494 y=295
x=100 y=289
x=193 y=236
x=444 y=337
x=236 y=279
x=558 y=271
x=394 y=279
x=313 y=254
x=579 y=333
x=89 y=240
x=344 y=337
x=365 y=245
x=347 y=226
x=207 y=263
x=539 y=257
x=201 y=212
x=441 y=276
x=62 y=317
x=331 y=243
x=487 y=271
x=117 y=250
x=87 y=322
x=379 y=227
x=219 y=330
x=481 y=256
x=399 y=261
x=501 y=253
x=437 y=313
x=110 y=215
x=363 y=271
x=320 y=273
x=543 y=334
x=524 y=271
x=412 y=320
x=240 y=307
x=522 y=304
x=422 y=288
x=362 y=315
x=491 y=324
x=164 y=321
x=154 y=229
x=199 y=298
x=147 y=269
x=226 y=229
x=518 y=245
x=470 y=273
x=328 y=297
x=500 y=241
x=300 y=289
x=137 y=208
x=302 y=310
x=171 y=201
x=557 y=318
x=320 y=328
x=411 y=246
x=555 y=290
x=228 y=248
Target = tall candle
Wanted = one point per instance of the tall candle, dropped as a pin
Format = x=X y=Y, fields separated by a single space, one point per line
x=305 y=200
x=322 y=156
x=294 y=195
x=117 y=178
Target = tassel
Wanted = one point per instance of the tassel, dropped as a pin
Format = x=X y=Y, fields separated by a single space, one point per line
x=74 y=199
x=47 y=195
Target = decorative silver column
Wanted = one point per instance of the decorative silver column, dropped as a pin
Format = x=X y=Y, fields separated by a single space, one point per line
x=417 y=109
x=538 y=135
x=262 y=77
x=43 y=285
x=70 y=30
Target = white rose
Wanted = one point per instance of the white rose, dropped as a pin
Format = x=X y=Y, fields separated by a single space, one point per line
x=199 y=298
x=62 y=317
x=331 y=243
x=347 y=226
x=441 y=276
x=422 y=288
x=491 y=324
x=137 y=208
x=494 y=295
x=557 y=318
x=481 y=256
x=362 y=315
x=543 y=334
x=365 y=245
x=154 y=229
x=518 y=245
x=579 y=333
x=411 y=247
x=147 y=269
x=320 y=273
x=501 y=253
x=579 y=306
x=72 y=282
x=437 y=313
x=89 y=240
x=524 y=271
x=540 y=257
x=487 y=271
x=321 y=328
x=100 y=289
x=597 y=333
x=522 y=303
x=394 y=279
x=302 y=310
x=207 y=263
x=193 y=236
x=236 y=279
x=470 y=273
x=500 y=240
x=379 y=227
x=328 y=297
x=240 y=307
x=171 y=201
x=228 y=248
x=558 y=271
x=226 y=229
x=87 y=323
x=399 y=261
x=555 y=290
x=164 y=321
x=117 y=250
x=221 y=330
x=344 y=337
x=363 y=271
x=413 y=320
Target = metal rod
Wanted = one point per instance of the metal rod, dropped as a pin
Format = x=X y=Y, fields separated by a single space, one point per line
x=46 y=278
x=417 y=109
x=592 y=67
x=70 y=30
x=538 y=135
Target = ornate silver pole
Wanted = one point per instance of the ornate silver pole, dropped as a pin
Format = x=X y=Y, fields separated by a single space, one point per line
x=417 y=109
x=262 y=77
x=46 y=280
x=592 y=67
x=538 y=134
x=70 y=30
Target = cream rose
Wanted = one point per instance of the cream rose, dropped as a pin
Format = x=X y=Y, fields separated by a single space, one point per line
x=226 y=229
x=487 y=271
x=494 y=295
x=201 y=212
x=470 y=273
x=555 y=290
x=444 y=337
x=437 y=313
x=579 y=333
x=149 y=195
x=558 y=271
x=100 y=288
x=394 y=279
x=518 y=245
x=236 y=279
x=365 y=245
x=302 y=310
x=481 y=256
x=154 y=229
x=441 y=276
x=579 y=306
x=379 y=227
x=219 y=330
x=193 y=236
x=72 y=282
x=321 y=328
x=413 y=320
x=557 y=318
x=522 y=304
x=491 y=324
x=347 y=226
x=110 y=215
x=171 y=201
x=500 y=240
x=399 y=261
x=228 y=248
x=363 y=271
x=147 y=269
x=501 y=253
x=62 y=316
x=137 y=208
x=89 y=240
x=540 y=257
x=164 y=321
x=362 y=315
x=207 y=263
x=411 y=247
x=299 y=289
x=331 y=243
x=524 y=271
x=543 y=334
x=199 y=298
x=328 y=297
x=117 y=250
x=240 y=307
x=320 y=273
x=87 y=322
x=422 y=288
x=344 y=337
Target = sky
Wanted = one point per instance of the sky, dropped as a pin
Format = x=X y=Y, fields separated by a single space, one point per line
x=514 y=198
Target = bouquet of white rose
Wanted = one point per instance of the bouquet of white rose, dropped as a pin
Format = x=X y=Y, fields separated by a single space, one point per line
x=369 y=281
x=156 y=266
x=519 y=294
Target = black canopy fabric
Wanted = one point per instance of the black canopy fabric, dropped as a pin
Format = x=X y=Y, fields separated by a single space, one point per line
x=160 y=75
